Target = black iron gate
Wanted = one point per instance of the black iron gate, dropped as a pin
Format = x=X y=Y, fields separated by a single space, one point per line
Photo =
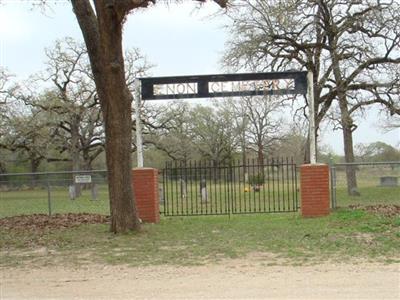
x=210 y=188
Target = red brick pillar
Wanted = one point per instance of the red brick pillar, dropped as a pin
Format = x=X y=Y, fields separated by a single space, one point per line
x=314 y=187
x=145 y=189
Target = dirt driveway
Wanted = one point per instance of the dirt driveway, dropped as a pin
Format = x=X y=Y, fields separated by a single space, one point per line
x=233 y=279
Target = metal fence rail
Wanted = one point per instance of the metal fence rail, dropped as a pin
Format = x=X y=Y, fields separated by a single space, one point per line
x=209 y=188
x=377 y=183
x=54 y=192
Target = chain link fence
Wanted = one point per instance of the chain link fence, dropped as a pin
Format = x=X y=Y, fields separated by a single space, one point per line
x=377 y=183
x=87 y=191
x=54 y=192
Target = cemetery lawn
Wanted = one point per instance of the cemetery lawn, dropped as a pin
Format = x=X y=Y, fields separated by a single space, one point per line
x=36 y=201
x=17 y=202
x=370 y=195
x=276 y=239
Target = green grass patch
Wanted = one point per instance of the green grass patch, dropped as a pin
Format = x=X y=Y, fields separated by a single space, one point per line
x=284 y=238
x=13 y=203
x=368 y=182
x=369 y=195
x=222 y=198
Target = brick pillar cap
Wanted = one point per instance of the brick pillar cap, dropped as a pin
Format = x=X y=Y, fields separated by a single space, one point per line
x=144 y=169
x=313 y=165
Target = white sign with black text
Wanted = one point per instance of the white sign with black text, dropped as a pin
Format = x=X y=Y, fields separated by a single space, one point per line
x=83 y=178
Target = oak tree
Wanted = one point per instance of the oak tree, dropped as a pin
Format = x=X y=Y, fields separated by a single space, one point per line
x=352 y=48
x=101 y=23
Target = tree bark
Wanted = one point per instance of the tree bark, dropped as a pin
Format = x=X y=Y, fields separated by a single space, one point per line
x=345 y=118
x=260 y=152
x=260 y=156
x=75 y=151
x=116 y=108
x=3 y=168
x=347 y=124
x=244 y=159
x=35 y=162
x=102 y=32
x=103 y=37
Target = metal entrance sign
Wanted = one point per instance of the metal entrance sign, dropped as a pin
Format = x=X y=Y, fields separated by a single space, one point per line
x=224 y=85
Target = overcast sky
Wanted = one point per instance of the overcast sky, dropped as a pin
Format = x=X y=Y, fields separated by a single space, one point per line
x=178 y=39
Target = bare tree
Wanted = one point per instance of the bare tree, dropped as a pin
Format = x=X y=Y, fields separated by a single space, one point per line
x=70 y=102
x=377 y=151
x=169 y=129
x=101 y=25
x=213 y=133
x=236 y=109
x=7 y=87
x=264 y=123
x=389 y=123
x=25 y=131
x=30 y=135
x=7 y=108
x=292 y=143
x=352 y=48
x=74 y=99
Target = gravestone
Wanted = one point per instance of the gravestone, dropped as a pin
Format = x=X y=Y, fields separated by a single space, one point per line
x=203 y=190
x=71 y=191
x=388 y=181
x=94 y=191
x=183 y=188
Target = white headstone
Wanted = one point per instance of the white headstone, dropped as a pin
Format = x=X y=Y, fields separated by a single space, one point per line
x=94 y=191
x=71 y=191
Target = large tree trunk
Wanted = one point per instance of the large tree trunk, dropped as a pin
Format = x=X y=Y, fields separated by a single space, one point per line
x=86 y=160
x=116 y=108
x=35 y=162
x=75 y=120
x=103 y=37
x=351 y=176
x=3 y=168
x=345 y=120
x=260 y=152
x=119 y=163
x=87 y=166
x=244 y=159
x=260 y=157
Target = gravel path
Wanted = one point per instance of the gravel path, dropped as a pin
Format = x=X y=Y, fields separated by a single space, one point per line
x=233 y=279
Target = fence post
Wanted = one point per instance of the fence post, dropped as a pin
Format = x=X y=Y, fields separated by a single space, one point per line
x=145 y=189
x=333 y=185
x=48 y=194
x=314 y=187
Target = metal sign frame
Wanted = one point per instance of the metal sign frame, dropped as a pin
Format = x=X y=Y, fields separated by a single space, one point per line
x=303 y=85
x=203 y=83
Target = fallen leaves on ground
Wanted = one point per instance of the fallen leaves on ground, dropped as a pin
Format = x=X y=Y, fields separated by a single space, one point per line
x=42 y=222
x=382 y=209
